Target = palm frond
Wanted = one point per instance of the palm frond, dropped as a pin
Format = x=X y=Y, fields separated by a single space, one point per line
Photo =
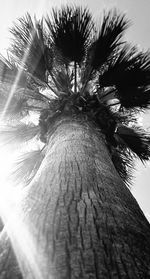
x=62 y=80
x=129 y=66
x=134 y=97
x=13 y=108
x=21 y=102
x=110 y=33
x=14 y=91
x=10 y=74
x=6 y=72
x=16 y=135
x=124 y=164
x=70 y=30
x=33 y=97
x=29 y=46
x=129 y=73
x=134 y=139
x=26 y=167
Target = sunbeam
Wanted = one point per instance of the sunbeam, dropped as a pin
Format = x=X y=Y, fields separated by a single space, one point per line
x=14 y=86
x=19 y=232
x=22 y=240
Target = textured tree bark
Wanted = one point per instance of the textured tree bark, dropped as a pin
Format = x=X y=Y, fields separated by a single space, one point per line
x=83 y=220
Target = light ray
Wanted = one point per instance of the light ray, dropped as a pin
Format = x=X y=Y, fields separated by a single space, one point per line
x=21 y=69
x=39 y=10
x=21 y=239
x=21 y=236
x=14 y=86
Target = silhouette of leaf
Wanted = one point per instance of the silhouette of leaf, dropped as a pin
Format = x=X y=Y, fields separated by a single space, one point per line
x=30 y=48
x=111 y=30
x=70 y=30
x=135 y=139
x=123 y=163
x=129 y=72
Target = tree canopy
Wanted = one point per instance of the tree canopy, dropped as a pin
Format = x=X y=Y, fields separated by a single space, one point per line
x=66 y=64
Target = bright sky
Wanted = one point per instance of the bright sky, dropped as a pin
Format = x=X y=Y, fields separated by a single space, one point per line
x=138 y=11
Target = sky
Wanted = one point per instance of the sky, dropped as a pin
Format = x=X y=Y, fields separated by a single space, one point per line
x=137 y=11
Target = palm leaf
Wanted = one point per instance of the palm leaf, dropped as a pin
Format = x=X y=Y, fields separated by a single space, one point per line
x=26 y=167
x=29 y=46
x=18 y=102
x=134 y=97
x=16 y=135
x=70 y=31
x=123 y=163
x=11 y=108
x=129 y=72
x=134 y=139
x=33 y=98
x=62 y=80
x=130 y=67
x=111 y=31
x=10 y=74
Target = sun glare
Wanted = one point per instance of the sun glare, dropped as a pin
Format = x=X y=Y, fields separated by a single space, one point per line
x=20 y=233
x=8 y=193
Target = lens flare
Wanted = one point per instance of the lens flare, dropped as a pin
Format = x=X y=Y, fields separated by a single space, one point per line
x=21 y=239
x=20 y=233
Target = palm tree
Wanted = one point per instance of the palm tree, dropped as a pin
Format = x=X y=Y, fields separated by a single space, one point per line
x=86 y=85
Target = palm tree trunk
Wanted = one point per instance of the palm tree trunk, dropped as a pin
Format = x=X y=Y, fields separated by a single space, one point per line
x=83 y=220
